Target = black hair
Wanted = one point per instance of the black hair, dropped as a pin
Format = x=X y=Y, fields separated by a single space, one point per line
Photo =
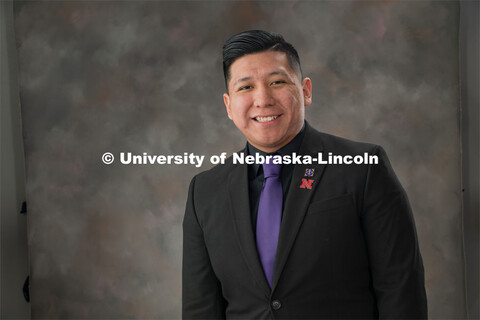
x=256 y=41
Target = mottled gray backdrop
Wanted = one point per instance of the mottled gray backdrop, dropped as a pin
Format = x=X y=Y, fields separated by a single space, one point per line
x=105 y=240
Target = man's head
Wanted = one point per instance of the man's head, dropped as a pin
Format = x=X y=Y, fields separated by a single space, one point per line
x=266 y=96
x=255 y=41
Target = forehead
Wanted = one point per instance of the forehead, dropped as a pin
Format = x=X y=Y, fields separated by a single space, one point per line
x=259 y=64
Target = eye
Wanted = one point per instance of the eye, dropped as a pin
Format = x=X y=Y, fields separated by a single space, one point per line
x=278 y=82
x=244 y=88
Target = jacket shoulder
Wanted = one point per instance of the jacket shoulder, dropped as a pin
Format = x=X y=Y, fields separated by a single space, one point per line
x=340 y=145
x=215 y=175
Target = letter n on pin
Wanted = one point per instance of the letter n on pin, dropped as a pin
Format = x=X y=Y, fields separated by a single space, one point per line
x=306 y=183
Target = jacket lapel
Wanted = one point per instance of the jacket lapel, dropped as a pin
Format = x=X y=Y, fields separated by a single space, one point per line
x=297 y=201
x=240 y=209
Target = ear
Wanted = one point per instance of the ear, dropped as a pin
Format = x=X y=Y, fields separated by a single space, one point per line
x=307 y=91
x=226 y=100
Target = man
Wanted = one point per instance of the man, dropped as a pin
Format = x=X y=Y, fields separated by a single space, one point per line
x=295 y=241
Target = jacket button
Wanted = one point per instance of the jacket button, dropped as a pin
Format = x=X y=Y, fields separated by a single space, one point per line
x=276 y=304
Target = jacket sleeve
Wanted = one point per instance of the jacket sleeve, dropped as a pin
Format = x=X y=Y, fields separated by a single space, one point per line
x=395 y=260
x=201 y=291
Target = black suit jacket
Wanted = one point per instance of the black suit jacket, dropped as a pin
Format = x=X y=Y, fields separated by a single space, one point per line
x=347 y=247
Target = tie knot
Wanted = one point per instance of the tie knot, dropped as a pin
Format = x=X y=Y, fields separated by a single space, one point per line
x=271 y=170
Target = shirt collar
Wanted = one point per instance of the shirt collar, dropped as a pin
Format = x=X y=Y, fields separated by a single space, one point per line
x=288 y=149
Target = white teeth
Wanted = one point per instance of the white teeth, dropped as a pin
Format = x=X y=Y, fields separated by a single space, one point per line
x=265 y=119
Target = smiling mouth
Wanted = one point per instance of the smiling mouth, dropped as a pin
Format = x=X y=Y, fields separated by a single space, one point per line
x=265 y=119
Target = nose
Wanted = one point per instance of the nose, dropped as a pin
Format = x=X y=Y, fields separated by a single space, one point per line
x=263 y=97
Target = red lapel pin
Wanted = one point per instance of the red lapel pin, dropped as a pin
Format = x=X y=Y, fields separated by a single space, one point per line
x=306 y=183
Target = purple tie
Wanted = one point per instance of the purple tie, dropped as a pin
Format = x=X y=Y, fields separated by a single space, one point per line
x=269 y=217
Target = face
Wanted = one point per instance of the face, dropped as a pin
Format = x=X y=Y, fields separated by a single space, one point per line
x=266 y=99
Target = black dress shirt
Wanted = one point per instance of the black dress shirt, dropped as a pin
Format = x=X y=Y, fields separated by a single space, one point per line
x=255 y=173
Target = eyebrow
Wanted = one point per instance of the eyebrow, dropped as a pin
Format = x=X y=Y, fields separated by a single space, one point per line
x=279 y=72
x=273 y=73
x=242 y=80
